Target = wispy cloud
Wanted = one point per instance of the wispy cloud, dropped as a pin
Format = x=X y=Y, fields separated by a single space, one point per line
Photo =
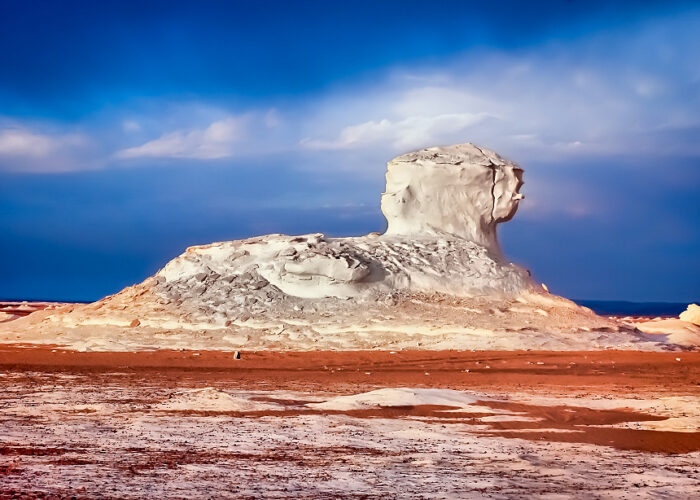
x=131 y=126
x=21 y=142
x=213 y=142
x=26 y=149
x=543 y=113
x=18 y=142
x=405 y=133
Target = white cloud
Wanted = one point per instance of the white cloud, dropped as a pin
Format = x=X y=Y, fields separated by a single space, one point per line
x=213 y=142
x=131 y=126
x=21 y=142
x=409 y=132
x=272 y=118
x=538 y=104
x=25 y=149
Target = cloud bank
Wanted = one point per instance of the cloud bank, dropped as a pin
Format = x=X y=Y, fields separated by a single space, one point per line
x=403 y=133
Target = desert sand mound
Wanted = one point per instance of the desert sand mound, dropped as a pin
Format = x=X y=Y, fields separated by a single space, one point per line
x=402 y=396
x=209 y=399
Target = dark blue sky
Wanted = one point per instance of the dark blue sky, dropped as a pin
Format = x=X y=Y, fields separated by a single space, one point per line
x=129 y=131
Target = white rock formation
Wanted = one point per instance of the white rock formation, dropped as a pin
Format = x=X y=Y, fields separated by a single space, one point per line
x=691 y=314
x=442 y=205
x=675 y=331
x=7 y=316
x=461 y=191
x=209 y=399
x=685 y=330
x=436 y=279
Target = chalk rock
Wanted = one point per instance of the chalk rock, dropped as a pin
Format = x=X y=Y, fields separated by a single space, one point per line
x=442 y=206
x=7 y=316
x=676 y=331
x=313 y=266
x=691 y=314
x=462 y=191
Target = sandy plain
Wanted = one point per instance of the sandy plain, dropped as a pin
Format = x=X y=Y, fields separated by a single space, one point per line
x=202 y=424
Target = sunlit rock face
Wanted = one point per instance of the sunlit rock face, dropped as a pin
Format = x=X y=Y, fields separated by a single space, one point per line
x=460 y=191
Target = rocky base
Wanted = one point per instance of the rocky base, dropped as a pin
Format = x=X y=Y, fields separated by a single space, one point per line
x=141 y=317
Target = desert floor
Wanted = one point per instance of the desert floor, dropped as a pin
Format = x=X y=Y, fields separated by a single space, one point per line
x=197 y=424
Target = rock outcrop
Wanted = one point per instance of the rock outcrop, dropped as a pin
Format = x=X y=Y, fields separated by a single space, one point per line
x=442 y=206
x=461 y=191
x=684 y=330
x=691 y=314
x=436 y=279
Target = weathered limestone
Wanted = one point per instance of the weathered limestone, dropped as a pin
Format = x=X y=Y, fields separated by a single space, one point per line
x=461 y=191
x=442 y=205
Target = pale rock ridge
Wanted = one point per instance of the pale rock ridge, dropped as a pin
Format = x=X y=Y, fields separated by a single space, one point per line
x=209 y=399
x=683 y=330
x=401 y=396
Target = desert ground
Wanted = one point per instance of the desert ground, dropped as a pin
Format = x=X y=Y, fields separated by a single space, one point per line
x=360 y=424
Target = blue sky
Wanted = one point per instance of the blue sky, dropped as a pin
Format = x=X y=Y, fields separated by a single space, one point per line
x=129 y=131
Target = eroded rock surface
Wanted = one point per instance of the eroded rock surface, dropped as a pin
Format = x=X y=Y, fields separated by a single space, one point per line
x=279 y=268
x=442 y=206
x=460 y=191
